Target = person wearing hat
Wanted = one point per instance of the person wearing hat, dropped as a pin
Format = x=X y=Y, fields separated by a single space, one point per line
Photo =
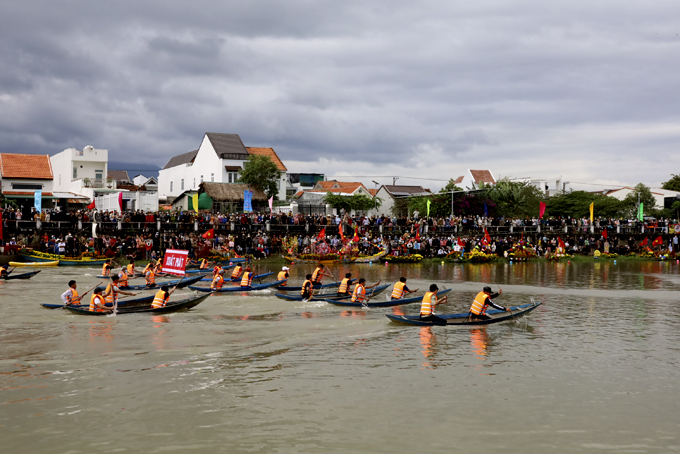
x=97 y=302
x=283 y=275
x=428 y=304
x=482 y=302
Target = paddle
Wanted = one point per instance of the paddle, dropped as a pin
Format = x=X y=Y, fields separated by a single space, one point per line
x=500 y=290
x=88 y=291
x=364 y=303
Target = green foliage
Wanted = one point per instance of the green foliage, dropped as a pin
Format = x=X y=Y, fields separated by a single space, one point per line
x=673 y=184
x=515 y=198
x=261 y=172
x=450 y=187
x=357 y=202
x=630 y=203
x=576 y=204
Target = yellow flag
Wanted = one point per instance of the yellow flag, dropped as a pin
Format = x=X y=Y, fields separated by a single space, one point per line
x=194 y=199
x=592 y=206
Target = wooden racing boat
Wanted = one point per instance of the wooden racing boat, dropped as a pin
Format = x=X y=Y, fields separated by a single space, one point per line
x=170 y=283
x=463 y=319
x=329 y=296
x=50 y=263
x=42 y=257
x=389 y=303
x=238 y=279
x=371 y=258
x=28 y=275
x=322 y=262
x=285 y=288
x=173 y=306
x=131 y=302
x=237 y=289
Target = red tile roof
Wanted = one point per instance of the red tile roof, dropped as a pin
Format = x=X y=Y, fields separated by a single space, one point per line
x=30 y=166
x=482 y=176
x=459 y=180
x=271 y=154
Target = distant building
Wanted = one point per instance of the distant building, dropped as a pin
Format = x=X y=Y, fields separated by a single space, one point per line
x=119 y=176
x=219 y=159
x=23 y=174
x=388 y=194
x=79 y=174
x=659 y=195
x=481 y=177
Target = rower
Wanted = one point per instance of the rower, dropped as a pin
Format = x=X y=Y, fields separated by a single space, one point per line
x=400 y=289
x=3 y=270
x=131 y=268
x=237 y=271
x=148 y=267
x=106 y=268
x=150 y=276
x=205 y=264
x=482 y=302
x=318 y=274
x=218 y=281
x=343 y=289
x=98 y=303
x=122 y=278
x=283 y=275
x=162 y=296
x=247 y=279
x=359 y=293
x=113 y=290
x=70 y=297
x=307 y=288
x=428 y=304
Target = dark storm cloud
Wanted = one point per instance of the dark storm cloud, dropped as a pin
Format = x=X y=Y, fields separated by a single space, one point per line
x=522 y=87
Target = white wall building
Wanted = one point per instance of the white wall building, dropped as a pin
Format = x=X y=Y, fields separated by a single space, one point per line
x=218 y=160
x=80 y=171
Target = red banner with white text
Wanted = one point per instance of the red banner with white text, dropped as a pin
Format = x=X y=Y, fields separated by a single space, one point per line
x=175 y=261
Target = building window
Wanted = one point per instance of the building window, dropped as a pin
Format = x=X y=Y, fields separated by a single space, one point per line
x=212 y=177
x=181 y=185
x=194 y=182
x=171 y=186
x=201 y=178
x=75 y=173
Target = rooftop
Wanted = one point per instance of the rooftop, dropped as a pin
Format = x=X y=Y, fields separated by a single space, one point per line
x=271 y=154
x=30 y=166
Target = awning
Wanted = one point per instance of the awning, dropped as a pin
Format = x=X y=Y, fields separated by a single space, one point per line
x=81 y=201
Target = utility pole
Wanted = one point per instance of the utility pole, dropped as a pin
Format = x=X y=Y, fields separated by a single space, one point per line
x=394 y=180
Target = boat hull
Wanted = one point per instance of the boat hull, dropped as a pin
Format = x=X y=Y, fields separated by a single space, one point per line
x=462 y=319
x=237 y=289
x=21 y=275
x=388 y=303
x=180 y=305
x=45 y=263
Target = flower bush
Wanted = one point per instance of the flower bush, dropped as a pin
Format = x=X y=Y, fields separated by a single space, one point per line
x=558 y=256
x=477 y=256
x=412 y=258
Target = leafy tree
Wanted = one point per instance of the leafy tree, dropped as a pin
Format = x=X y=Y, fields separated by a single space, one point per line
x=630 y=202
x=357 y=202
x=450 y=187
x=261 y=172
x=576 y=204
x=515 y=198
x=673 y=184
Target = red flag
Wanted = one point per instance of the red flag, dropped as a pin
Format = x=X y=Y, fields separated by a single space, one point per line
x=541 y=209
x=460 y=242
x=560 y=243
x=418 y=234
x=209 y=235
x=322 y=234
x=342 y=235
x=657 y=242
x=487 y=237
x=91 y=206
x=644 y=242
x=120 y=201
x=356 y=234
x=604 y=234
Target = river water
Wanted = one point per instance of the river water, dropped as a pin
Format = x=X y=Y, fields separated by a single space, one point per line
x=594 y=369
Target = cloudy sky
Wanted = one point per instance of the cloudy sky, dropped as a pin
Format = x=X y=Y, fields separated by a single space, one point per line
x=586 y=90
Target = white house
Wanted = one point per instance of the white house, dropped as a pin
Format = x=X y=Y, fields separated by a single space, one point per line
x=659 y=194
x=388 y=194
x=218 y=159
x=150 y=183
x=23 y=174
x=80 y=171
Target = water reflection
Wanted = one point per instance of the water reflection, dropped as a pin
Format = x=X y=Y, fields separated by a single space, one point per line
x=428 y=343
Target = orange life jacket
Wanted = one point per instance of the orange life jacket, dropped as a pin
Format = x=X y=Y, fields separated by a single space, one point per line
x=73 y=297
x=113 y=296
x=160 y=300
x=359 y=293
x=203 y=265
x=427 y=306
x=480 y=304
x=93 y=303
x=237 y=272
x=217 y=282
x=150 y=278
x=122 y=279
x=106 y=269
x=304 y=284
x=398 y=290
x=317 y=275
x=247 y=279
x=282 y=276
x=344 y=285
x=131 y=269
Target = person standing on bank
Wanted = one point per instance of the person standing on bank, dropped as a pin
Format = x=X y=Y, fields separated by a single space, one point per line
x=483 y=301
x=429 y=302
